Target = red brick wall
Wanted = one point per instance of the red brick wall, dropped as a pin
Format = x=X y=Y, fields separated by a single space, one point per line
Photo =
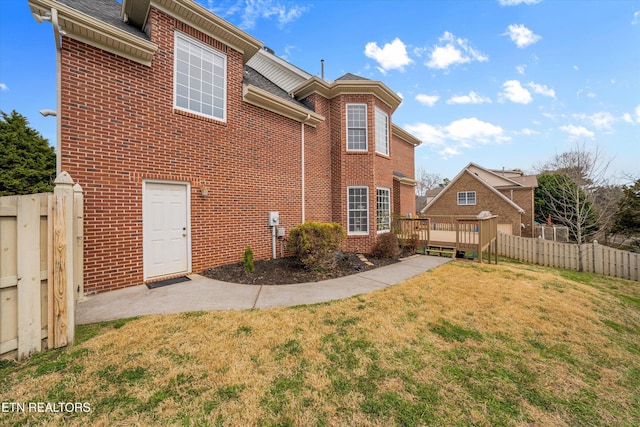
x=119 y=129
x=523 y=197
x=250 y=164
x=403 y=162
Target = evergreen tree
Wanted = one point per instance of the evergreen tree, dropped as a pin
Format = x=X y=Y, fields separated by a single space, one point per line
x=27 y=162
x=627 y=218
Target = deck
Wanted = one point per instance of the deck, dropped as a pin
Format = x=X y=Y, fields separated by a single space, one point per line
x=446 y=235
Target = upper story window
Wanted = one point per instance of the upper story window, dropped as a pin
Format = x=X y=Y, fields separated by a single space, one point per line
x=382 y=132
x=356 y=127
x=467 y=198
x=200 y=78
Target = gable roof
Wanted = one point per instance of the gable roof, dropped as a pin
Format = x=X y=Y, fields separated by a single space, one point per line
x=487 y=178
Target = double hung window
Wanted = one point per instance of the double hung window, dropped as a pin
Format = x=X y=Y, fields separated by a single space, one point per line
x=356 y=127
x=383 y=209
x=466 y=198
x=358 y=210
x=382 y=132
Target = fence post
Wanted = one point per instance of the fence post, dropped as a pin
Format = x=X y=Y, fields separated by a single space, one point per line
x=61 y=295
x=597 y=258
x=28 y=269
x=78 y=234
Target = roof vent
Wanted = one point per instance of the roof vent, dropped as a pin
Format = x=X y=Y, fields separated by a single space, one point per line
x=268 y=49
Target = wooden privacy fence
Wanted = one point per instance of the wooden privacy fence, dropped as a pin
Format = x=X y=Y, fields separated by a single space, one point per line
x=41 y=268
x=591 y=257
x=459 y=233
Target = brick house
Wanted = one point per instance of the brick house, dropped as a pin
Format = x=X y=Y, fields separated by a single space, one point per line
x=505 y=193
x=186 y=132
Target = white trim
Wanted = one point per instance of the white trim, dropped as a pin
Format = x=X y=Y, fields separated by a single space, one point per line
x=212 y=51
x=386 y=143
x=366 y=127
x=358 y=233
x=388 y=190
x=466 y=198
x=188 y=213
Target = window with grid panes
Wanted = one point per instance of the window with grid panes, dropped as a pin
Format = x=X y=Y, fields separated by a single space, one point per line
x=383 y=209
x=382 y=132
x=358 y=210
x=466 y=198
x=356 y=127
x=200 y=78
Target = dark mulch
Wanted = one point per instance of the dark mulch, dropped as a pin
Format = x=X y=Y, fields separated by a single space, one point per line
x=284 y=271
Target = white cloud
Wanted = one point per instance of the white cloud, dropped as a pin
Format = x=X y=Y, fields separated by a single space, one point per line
x=392 y=56
x=428 y=134
x=542 y=90
x=252 y=10
x=451 y=51
x=514 y=92
x=575 y=67
x=473 y=130
x=521 y=35
x=449 y=152
x=458 y=135
x=429 y=100
x=626 y=117
x=577 y=131
x=521 y=68
x=636 y=18
x=472 y=98
x=528 y=132
x=602 y=120
x=517 y=2
x=3 y=86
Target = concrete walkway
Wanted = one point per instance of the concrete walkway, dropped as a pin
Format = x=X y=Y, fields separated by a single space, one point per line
x=202 y=293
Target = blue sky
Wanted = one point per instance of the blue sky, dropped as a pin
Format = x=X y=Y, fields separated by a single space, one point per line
x=502 y=83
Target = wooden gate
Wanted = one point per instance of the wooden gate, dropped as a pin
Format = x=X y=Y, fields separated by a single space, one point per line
x=41 y=268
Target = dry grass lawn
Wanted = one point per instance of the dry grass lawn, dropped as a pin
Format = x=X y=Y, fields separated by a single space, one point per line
x=464 y=344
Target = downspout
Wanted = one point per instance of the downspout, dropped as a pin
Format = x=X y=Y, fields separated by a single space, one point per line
x=302 y=163
x=57 y=36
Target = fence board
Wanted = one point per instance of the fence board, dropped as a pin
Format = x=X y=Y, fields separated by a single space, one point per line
x=594 y=257
x=28 y=233
x=25 y=249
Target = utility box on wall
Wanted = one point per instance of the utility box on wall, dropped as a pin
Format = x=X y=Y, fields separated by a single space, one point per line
x=274 y=219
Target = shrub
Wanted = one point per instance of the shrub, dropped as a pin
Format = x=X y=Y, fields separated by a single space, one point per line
x=387 y=246
x=314 y=244
x=247 y=260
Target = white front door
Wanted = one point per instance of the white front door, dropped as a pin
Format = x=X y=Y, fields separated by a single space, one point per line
x=166 y=229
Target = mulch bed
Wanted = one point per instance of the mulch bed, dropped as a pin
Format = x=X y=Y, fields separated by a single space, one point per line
x=282 y=271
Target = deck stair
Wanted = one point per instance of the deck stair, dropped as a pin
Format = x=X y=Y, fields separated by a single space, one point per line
x=440 y=251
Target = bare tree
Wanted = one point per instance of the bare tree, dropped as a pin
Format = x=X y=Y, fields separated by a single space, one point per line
x=574 y=191
x=426 y=181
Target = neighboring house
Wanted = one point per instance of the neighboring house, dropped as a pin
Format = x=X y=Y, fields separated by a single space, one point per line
x=507 y=194
x=423 y=201
x=186 y=132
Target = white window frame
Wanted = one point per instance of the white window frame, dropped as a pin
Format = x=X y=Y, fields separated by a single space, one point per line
x=385 y=227
x=366 y=127
x=185 y=72
x=354 y=232
x=382 y=132
x=463 y=198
